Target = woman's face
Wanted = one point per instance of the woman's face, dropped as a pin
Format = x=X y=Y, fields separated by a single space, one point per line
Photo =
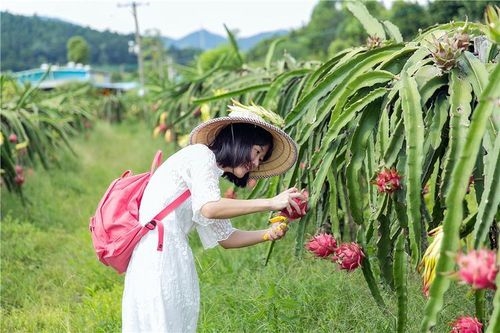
x=257 y=156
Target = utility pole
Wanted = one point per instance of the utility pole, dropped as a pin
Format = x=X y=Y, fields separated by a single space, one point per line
x=137 y=41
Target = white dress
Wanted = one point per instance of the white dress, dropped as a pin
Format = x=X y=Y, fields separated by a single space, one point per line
x=161 y=292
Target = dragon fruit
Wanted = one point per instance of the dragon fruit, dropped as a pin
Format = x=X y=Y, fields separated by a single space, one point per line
x=466 y=325
x=388 y=181
x=230 y=193
x=302 y=205
x=478 y=268
x=322 y=245
x=13 y=138
x=348 y=256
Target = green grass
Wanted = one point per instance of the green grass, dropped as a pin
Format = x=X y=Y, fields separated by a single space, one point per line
x=51 y=280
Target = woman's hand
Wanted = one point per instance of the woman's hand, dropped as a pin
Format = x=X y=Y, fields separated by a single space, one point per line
x=284 y=200
x=276 y=231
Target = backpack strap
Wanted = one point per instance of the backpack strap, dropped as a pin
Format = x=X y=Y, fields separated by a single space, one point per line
x=156 y=221
x=156 y=161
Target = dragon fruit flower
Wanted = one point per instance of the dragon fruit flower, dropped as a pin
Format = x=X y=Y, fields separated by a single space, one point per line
x=427 y=266
x=348 y=256
x=466 y=325
x=478 y=268
x=388 y=181
x=322 y=245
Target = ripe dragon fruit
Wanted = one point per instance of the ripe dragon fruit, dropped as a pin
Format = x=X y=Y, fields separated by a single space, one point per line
x=466 y=325
x=13 y=138
x=302 y=205
x=478 y=268
x=388 y=181
x=230 y=193
x=348 y=256
x=322 y=245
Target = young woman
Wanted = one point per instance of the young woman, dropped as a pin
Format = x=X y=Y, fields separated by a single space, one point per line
x=161 y=292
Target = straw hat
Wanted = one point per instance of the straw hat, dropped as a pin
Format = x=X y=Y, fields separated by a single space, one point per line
x=284 y=154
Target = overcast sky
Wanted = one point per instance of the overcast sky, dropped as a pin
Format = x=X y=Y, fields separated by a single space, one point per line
x=173 y=18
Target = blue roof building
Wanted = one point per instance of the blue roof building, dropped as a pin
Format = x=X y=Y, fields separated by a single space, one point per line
x=49 y=77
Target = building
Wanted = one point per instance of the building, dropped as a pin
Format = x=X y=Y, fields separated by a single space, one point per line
x=48 y=77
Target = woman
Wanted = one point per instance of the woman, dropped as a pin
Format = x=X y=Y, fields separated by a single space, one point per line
x=161 y=291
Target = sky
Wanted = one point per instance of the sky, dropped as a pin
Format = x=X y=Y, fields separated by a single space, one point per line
x=173 y=18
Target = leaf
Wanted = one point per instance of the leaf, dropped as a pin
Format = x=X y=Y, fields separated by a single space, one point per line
x=372 y=26
x=234 y=93
x=400 y=282
x=393 y=31
x=270 y=52
x=414 y=136
x=490 y=199
x=460 y=92
x=235 y=46
x=357 y=150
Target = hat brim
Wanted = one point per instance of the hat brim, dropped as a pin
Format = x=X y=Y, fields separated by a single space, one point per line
x=283 y=156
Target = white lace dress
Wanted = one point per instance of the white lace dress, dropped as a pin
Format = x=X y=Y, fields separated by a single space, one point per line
x=161 y=292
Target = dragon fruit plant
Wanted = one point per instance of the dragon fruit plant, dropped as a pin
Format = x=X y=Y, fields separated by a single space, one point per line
x=424 y=108
x=322 y=245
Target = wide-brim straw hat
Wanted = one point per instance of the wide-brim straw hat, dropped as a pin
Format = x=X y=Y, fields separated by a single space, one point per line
x=284 y=154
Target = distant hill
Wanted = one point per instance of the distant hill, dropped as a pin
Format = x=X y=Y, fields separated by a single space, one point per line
x=43 y=40
x=206 y=40
x=201 y=39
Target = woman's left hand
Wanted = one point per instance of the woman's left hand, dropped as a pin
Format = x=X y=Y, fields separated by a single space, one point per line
x=276 y=231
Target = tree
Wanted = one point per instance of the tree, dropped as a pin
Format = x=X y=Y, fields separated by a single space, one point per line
x=78 y=50
x=443 y=11
x=409 y=17
x=209 y=59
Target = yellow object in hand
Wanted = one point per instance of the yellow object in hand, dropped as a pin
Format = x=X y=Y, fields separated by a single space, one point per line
x=278 y=218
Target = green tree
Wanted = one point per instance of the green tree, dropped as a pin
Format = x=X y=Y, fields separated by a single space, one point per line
x=409 y=17
x=208 y=59
x=443 y=11
x=78 y=50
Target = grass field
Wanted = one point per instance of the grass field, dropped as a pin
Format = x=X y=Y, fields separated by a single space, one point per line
x=51 y=280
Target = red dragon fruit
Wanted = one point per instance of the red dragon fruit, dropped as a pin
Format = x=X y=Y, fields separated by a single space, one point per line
x=388 y=181
x=13 y=138
x=230 y=193
x=478 y=268
x=348 y=256
x=322 y=245
x=466 y=325
x=302 y=205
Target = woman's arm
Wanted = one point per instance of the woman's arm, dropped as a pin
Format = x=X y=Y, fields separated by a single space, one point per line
x=228 y=208
x=242 y=238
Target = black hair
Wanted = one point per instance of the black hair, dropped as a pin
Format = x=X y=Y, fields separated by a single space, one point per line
x=233 y=147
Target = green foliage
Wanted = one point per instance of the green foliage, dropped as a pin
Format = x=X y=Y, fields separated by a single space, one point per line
x=78 y=50
x=223 y=56
x=44 y=41
x=35 y=125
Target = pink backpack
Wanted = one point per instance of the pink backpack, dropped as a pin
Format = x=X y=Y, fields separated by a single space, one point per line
x=115 y=227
